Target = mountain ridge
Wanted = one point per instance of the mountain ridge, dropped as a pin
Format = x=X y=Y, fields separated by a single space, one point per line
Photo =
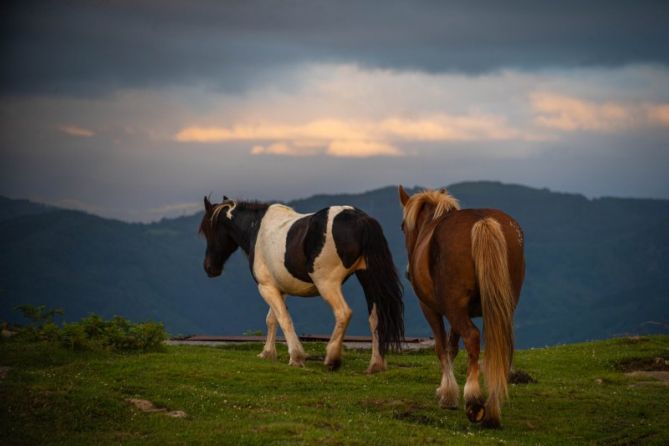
x=595 y=267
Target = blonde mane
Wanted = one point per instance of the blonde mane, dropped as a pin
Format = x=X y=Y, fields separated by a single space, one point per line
x=443 y=202
x=229 y=206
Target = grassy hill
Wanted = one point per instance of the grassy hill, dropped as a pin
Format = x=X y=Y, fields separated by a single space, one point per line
x=52 y=396
x=595 y=268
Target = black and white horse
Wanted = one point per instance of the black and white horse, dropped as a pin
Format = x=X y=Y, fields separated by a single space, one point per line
x=307 y=255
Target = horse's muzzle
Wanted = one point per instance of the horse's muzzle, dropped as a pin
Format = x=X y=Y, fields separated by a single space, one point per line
x=212 y=271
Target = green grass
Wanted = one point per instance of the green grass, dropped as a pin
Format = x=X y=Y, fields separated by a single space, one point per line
x=53 y=396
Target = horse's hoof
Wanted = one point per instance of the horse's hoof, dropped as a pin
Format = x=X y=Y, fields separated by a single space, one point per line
x=333 y=365
x=490 y=423
x=446 y=400
x=448 y=403
x=267 y=355
x=475 y=411
x=297 y=362
x=376 y=368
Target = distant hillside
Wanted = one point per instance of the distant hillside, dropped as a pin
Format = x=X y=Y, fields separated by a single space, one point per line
x=595 y=268
x=16 y=208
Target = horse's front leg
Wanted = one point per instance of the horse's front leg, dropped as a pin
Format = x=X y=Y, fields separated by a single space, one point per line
x=269 y=351
x=342 y=313
x=277 y=304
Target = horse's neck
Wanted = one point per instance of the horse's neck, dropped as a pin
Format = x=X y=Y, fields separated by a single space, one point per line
x=423 y=237
x=247 y=222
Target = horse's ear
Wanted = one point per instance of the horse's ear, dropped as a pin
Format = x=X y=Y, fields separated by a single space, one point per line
x=443 y=190
x=225 y=198
x=404 y=197
x=207 y=204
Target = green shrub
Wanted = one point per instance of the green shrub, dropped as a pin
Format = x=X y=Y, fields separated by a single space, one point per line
x=92 y=332
x=39 y=315
x=73 y=336
x=49 y=332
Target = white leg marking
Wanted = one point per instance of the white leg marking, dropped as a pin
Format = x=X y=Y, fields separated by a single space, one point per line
x=276 y=302
x=472 y=387
x=377 y=363
x=447 y=392
x=269 y=351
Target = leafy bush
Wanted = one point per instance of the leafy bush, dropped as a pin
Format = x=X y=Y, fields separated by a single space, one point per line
x=92 y=332
x=39 y=315
x=73 y=336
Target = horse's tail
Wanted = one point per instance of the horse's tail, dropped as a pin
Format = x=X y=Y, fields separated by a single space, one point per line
x=489 y=252
x=382 y=286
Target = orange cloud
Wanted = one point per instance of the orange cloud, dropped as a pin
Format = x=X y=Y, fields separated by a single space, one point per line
x=74 y=130
x=355 y=139
x=658 y=114
x=572 y=114
x=450 y=128
x=287 y=149
x=339 y=148
x=317 y=130
x=361 y=149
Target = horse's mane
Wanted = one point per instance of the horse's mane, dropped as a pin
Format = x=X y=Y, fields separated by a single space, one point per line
x=209 y=223
x=443 y=202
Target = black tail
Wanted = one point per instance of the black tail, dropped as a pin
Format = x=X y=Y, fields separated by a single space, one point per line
x=382 y=286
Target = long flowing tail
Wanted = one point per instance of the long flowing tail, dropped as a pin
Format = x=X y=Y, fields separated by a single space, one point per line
x=382 y=286
x=489 y=252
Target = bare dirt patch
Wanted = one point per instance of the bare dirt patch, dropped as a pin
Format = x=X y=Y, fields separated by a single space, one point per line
x=649 y=370
x=148 y=406
x=663 y=377
x=404 y=410
x=658 y=364
x=521 y=377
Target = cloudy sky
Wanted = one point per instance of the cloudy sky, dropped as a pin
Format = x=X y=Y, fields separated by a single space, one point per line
x=136 y=109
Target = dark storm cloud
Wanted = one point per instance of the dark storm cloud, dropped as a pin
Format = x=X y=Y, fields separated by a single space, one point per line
x=89 y=47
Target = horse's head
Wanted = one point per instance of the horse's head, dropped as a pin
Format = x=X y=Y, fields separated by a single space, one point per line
x=421 y=208
x=218 y=229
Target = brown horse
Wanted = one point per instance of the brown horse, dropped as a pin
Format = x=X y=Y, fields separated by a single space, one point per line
x=464 y=264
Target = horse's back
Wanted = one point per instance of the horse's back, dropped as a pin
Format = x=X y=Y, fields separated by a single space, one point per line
x=296 y=250
x=272 y=250
x=304 y=242
x=454 y=230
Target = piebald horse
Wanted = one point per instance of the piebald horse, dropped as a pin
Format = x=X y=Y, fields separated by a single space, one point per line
x=307 y=255
x=464 y=264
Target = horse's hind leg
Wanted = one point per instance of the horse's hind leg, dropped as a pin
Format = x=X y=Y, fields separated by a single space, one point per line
x=474 y=404
x=447 y=392
x=453 y=341
x=342 y=313
x=276 y=302
x=269 y=351
x=377 y=363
